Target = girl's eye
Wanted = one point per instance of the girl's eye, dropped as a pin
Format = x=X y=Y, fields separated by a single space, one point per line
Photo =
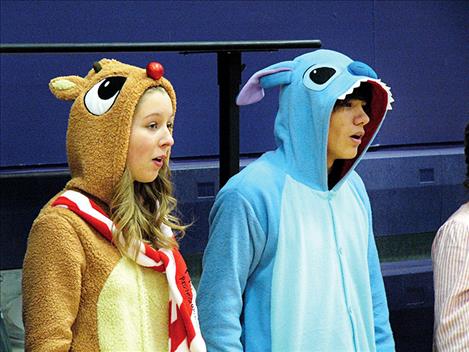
x=170 y=125
x=153 y=125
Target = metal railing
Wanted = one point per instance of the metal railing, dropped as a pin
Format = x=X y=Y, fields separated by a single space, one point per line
x=229 y=67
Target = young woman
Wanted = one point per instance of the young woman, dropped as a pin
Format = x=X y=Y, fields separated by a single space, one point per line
x=102 y=269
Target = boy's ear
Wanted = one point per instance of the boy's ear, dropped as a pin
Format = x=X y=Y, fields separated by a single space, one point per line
x=66 y=87
x=274 y=75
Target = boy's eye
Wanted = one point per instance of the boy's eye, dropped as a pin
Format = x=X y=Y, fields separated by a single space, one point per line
x=153 y=125
x=170 y=125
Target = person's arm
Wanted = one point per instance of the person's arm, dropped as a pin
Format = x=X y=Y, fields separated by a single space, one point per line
x=383 y=334
x=52 y=273
x=450 y=254
x=233 y=251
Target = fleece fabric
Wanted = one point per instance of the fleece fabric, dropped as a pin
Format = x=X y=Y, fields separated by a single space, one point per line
x=79 y=293
x=291 y=263
x=184 y=332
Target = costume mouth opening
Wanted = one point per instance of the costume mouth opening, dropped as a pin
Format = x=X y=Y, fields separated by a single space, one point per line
x=378 y=98
x=373 y=91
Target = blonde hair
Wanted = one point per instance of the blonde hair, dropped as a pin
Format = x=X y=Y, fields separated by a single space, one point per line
x=138 y=209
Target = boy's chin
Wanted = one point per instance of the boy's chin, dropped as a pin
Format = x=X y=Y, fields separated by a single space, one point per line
x=349 y=156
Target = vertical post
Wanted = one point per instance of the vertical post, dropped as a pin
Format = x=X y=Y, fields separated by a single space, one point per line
x=229 y=79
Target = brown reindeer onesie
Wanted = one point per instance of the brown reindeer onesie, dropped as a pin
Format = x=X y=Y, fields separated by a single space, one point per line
x=79 y=292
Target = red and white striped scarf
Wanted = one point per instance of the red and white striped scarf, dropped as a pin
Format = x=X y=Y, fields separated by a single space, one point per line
x=184 y=330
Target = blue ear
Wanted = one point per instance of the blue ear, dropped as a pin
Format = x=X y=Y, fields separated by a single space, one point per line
x=274 y=75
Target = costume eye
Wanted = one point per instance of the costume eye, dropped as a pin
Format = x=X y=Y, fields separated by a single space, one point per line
x=319 y=77
x=100 y=98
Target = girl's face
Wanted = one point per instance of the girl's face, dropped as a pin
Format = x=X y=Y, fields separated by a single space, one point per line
x=346 y=130
x=151 y=136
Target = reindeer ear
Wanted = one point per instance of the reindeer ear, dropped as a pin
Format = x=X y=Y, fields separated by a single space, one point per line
x=67 y=87
x=274 y=75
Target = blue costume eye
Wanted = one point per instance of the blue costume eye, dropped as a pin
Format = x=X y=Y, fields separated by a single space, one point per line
x=321 y=75
x=100 y=98
x=318 y=77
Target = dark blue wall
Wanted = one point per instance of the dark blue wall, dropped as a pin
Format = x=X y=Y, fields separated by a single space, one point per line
x=418 y=47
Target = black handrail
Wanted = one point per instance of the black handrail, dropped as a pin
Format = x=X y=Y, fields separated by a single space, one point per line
x=229 y=76
x=185 y=47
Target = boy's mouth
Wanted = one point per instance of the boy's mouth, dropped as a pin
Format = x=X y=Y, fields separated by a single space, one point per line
x=357 y=137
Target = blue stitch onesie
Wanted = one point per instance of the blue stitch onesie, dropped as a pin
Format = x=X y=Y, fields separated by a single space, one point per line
x=291 y=263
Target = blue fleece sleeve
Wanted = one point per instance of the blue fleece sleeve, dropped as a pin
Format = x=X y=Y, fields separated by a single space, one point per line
x=383 y=333
x=233 y=251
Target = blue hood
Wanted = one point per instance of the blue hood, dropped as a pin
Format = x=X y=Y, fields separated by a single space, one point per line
x=309 y=87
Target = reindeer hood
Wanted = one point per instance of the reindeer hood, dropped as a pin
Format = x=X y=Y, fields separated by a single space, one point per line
x=100 y=120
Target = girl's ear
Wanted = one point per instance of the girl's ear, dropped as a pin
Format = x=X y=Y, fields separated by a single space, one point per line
x=274 y=75
x=67 y=87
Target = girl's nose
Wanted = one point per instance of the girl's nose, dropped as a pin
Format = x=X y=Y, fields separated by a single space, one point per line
x=167 y=140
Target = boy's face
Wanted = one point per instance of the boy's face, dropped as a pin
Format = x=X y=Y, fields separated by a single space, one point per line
x=346 y=130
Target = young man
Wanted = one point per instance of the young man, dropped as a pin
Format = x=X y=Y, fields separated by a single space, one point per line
x=291 y=263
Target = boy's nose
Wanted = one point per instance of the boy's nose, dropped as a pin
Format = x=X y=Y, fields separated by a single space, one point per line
x=362 y=117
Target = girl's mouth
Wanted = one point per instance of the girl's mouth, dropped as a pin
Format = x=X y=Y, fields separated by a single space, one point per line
x=158 y=162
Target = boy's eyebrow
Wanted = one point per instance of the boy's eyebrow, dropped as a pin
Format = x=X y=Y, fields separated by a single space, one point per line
x=355 y=98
